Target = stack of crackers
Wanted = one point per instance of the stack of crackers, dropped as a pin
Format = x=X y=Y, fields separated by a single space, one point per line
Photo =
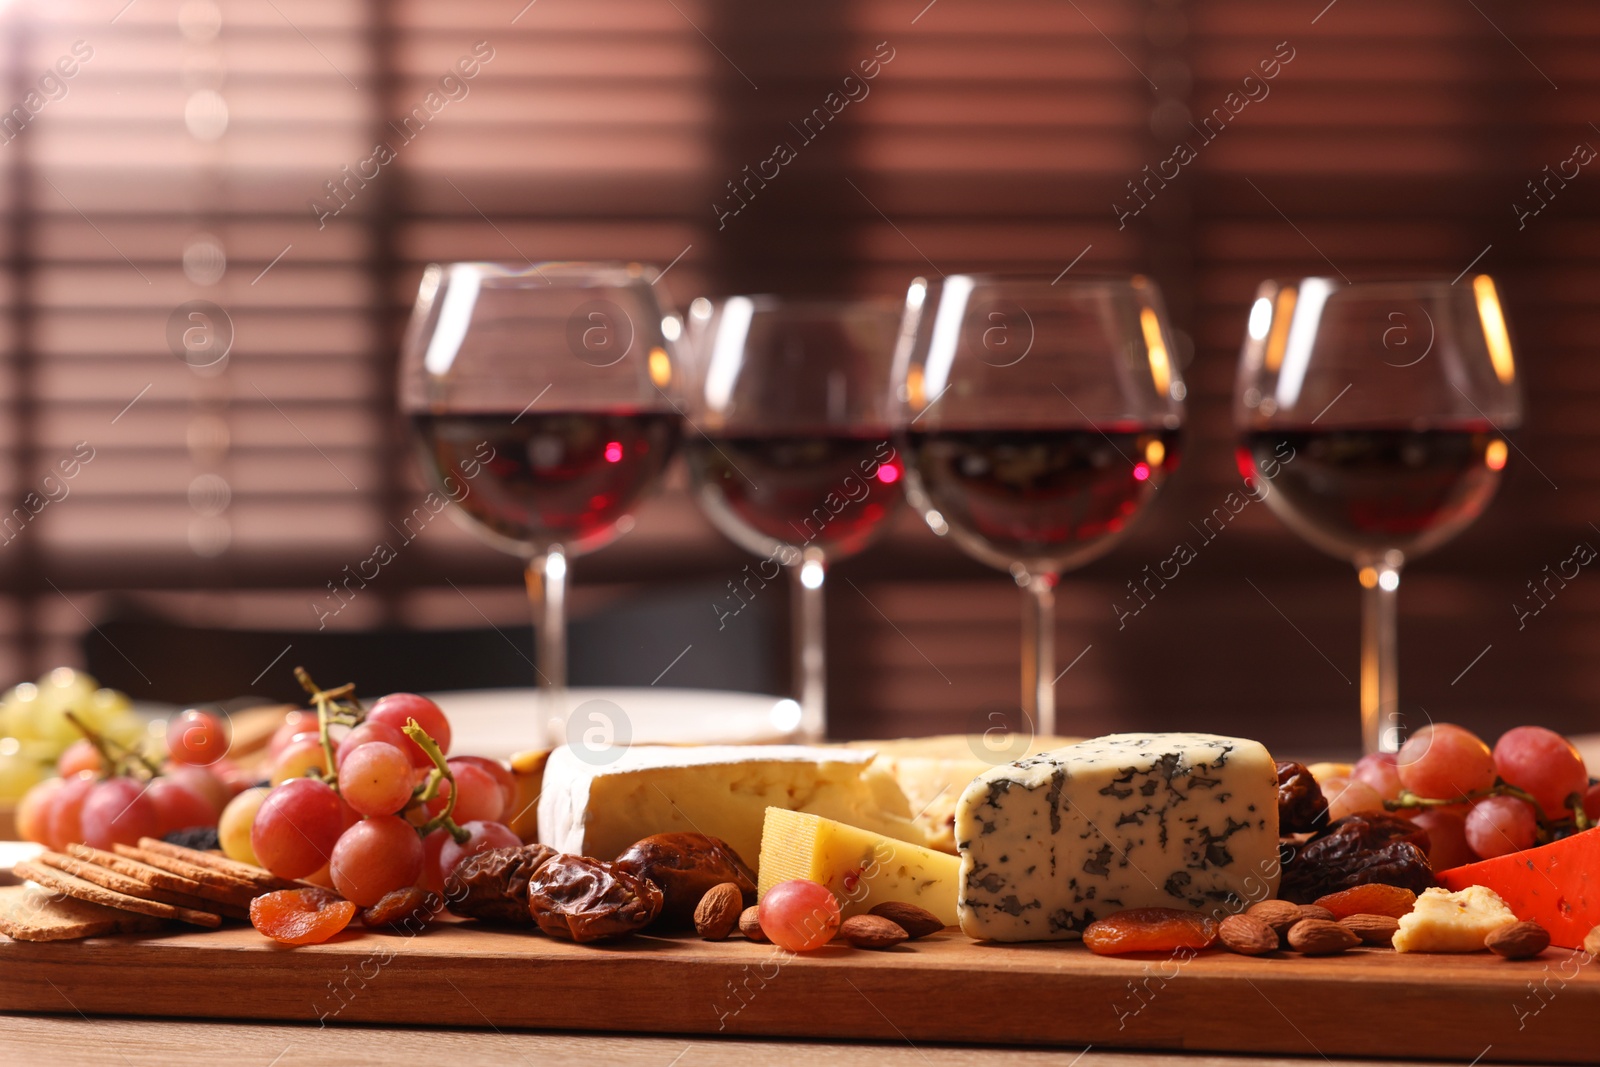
x=88 y=892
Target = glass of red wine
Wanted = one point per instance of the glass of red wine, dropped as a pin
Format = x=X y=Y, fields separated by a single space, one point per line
x=542 y=400
x=790 y=448
x=1038 y=419
x=1373 y=417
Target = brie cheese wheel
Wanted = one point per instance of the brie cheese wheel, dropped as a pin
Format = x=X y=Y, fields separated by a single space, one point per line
x=1177 y=820
x=600 y=809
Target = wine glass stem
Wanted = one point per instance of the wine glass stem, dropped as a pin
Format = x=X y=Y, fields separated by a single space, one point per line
x=1039 y=653
x=810 y=666
x=1380 y=659
x=547 y=593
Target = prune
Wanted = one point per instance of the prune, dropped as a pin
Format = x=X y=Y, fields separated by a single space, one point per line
x=493 y=885
x=1301 y=806
x=1356 y=850
x=684 y=866
x=584 y=899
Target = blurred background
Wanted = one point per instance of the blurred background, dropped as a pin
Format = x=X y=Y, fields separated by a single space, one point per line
x=224 y=151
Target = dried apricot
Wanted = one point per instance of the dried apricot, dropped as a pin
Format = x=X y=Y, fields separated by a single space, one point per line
x=300 y=916
x=1149 y=930
x=1374 y=898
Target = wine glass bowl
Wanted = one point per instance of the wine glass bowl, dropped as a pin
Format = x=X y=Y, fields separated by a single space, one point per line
x=1038 y=420
x=1373 y=416
x=540 y=396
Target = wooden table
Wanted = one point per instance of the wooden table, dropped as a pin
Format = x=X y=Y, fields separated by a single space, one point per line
x=168 y=1043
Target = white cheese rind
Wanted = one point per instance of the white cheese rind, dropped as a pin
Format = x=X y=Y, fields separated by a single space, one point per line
x=1050 y=843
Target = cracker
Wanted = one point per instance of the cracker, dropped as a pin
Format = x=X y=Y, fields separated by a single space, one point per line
x=29 y=914
x=234 y=892
x=110 y=878
x=259 y=877
x=73 y=886
x=222 y=900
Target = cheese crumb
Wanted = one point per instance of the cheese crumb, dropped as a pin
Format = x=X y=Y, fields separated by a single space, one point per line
x=1443 y=921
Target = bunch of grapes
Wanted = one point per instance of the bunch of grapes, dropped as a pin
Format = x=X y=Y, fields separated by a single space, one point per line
x=35 y=730
x=1474 y=801
x=110 y=792
x=381 y=809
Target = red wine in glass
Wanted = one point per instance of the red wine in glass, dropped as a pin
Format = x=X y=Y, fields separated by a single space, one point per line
x=564 y=478
x=832 y=493
x=1049 y=498
x=1364 y=490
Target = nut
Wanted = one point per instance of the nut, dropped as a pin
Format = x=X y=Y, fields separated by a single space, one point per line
x=1247 y=935
x=1591 y=943
x=1317 y=911
x=718 y=911
x=872 y=931
x=1320 y=937
x=916 y=922
x=1518 y=941
x=1372 y=929
x=750 y=924
x=1278 y=914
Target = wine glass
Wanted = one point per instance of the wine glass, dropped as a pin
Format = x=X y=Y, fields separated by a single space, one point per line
x=1373 y=416
x=1038 y=420
x=539 y=395
x=790 y=448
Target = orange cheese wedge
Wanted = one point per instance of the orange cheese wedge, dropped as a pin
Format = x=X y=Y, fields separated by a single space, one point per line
x=1556 y=885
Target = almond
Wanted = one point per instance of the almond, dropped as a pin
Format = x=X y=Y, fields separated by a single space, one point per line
x=872 y=931
x=1247 y=935
x=718 y=911
x=1317 y=911
x=750 y=925
x=1372 y=929
x=916 y=922
x=1320 y=937
x=1518 y=941
x=1278 y=914
x=1591 y=943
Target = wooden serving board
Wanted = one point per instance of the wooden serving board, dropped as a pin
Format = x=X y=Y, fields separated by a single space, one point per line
x=945 y=988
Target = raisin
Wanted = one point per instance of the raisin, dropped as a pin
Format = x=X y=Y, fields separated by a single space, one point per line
x=1301 y=805
x=1149 y=930
x=403 y=911
x=1373 y=898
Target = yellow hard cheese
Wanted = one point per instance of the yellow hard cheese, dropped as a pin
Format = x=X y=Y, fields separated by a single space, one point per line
x=863 y=869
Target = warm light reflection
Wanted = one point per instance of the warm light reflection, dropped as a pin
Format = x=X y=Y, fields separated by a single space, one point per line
x=660 y=367
x=916 y=393
x=1369 y=577
x=1155 y=453
x=1281 y=316
x=1494 y=457
x=1494 y=328
x=1160 y=367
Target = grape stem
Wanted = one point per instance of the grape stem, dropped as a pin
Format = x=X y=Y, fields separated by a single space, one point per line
x=440 y=773
x=334 y=707
x=113 y=757
x=1501 y=788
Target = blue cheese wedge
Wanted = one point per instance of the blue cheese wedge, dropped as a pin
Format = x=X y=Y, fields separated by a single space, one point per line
x=1052 y=842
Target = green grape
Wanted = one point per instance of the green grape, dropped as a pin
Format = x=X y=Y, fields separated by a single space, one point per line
x=18 y=773
x=103 y=707
x=17 y=708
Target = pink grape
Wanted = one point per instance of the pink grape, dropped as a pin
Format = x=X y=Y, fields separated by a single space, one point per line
x=1379 y=770
x=1444 y=761
x=119 y=811
x=1346 y=796
x=432 y=845
x=204 y=781
x=799 y=915
x=66 y=815
x=500 y=773
x=298 y=757
x=297 y=826
x=295 y=723
x=1591 y=804
x=81 y=755
x=35 y=809
x=369 y=731
x=178 y=807
x=1543 y=763
x=376 y=856
x=1500 y=825
x=478 y=796
x=396 y=708
x=1447 y=836
x=197 y=738
x=376 y=778
x=484 y=836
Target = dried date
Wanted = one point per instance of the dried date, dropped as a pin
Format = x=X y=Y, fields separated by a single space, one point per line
x=684 y=866
x=1357 y=850
x=1301 y=806
x=584 y=899
x=493 y=885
